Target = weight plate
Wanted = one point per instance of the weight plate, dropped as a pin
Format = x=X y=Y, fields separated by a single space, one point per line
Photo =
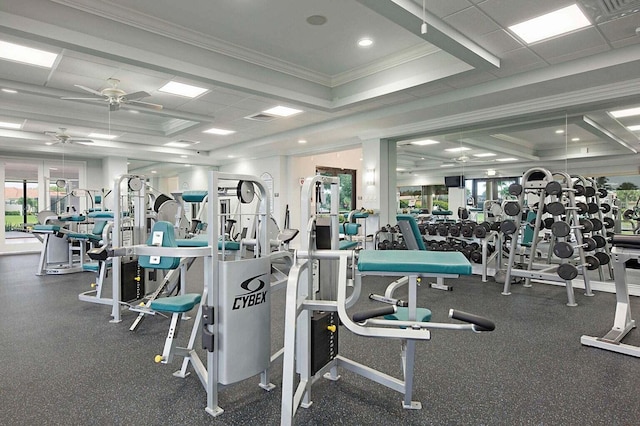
x=597 y=224
x=515 y=189
x=135 y=184
x=553 y=188
x=560 y=229
x=563 y=250
x=600 y=241
x=556 y=208
x=587 y=225
x=602 y=192
x=589 y=191
x=567 y=271
x=609 y=222
x=590 y=244
x=245 y=191
x=548 y=222
x=592 y=262
x=508 y=227
x=579 y=189
x=592 y=208
x=582 y=207
x=606 y=208
x=512 y=208
x=602 y=257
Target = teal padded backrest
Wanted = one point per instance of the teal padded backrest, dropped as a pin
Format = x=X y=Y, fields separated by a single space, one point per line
x=410 y=232
x=168 y=240
x=527 y=236
x=98 y=227
x=349 y=228
x=194 y=196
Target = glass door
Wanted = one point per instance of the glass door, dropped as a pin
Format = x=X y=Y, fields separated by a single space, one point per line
x=20 y=201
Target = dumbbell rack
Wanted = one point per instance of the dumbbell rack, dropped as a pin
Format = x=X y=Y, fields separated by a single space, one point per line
x=595 y=213
x=548 y=272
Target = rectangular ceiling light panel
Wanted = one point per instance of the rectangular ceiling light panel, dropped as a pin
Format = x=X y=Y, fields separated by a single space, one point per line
x=282 y=111
x=222 y=132
x=629 y=112
x=424 y=142
x=552 y=24
x=8 y=125
x=102 y=136
x=459 y=149
x=181 y=89
x=27 y=55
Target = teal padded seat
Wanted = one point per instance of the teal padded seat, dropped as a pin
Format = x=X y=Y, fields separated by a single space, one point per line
x=414 y=261
x=73 y=218
x=101 y=214
x=168 y=240
x=402 y=314
x=91 y=267
x=442 y=212
x=349 y=228
x=228 y=245
x=176 y=304
x=197 y=241
x=46 y=228
x=94 y=236
x=194 y=196
x=347 y=245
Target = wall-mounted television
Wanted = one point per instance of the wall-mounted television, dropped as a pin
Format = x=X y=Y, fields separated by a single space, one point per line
x=454 y=181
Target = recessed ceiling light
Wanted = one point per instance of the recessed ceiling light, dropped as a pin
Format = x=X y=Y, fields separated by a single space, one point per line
x=317 y=20
x=282 y=111
x=484 y=154
x=634 y=128
x=559 y=132
x=9 y=91
x=552 y=24
x=153 y=171
x=424 y=142
x=491 y=172
x=447 y=165
x=181 y=89
x=458 y=149
x=50 y=143
x=215 y=131
x=187 y=165
x=302 y=141
x=133 y=111
x=575 y=139
x=365 y=42
x=231 y=156
x=102 y=136
x=184 y=156
x=52 y=168
x=8 y=125
x=422 y=158
x=27 y=55
x=620 y=113
x=400 y=169
x=507 y=159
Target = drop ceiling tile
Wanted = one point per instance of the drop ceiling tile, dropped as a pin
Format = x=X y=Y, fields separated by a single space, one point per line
x=461 y=81
x=66 y=81
x=88 y=68
x=24 y=73
x=625 y=42
x=498 y=42
x=569 y=44
x=472 y=22
x=579 y=54
x=446 y=8
x=517 y=61
x=622 y=28
x=133 y=81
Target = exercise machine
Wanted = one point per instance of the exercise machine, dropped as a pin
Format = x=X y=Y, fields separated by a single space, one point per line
x=626 y=249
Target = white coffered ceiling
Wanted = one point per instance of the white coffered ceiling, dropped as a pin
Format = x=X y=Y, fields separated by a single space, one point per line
x=468 y=81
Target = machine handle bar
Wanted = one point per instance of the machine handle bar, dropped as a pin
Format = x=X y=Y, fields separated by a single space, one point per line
x=376 y=312
x=480 y=323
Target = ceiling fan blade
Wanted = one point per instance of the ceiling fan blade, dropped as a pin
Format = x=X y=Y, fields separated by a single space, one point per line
x=87 y=89
x=136 y=95
x=82 y=99
x=145 y=104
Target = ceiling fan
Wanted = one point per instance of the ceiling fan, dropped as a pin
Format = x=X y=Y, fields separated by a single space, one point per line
x=116 y=97
x=62 y=137
x=463 y=159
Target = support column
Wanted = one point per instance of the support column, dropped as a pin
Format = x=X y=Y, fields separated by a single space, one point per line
x=112 y=167
x=379 y=178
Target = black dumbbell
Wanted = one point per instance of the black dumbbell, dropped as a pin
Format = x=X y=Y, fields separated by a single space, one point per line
x=597 y=224
x=600 y=241
x=557 y=208
x=564 y=250
x=482 y=230
x=609 y=222
x=432 y=229
x=466 y=230
x=548 y=222
x=515 y=189
x=508 y=227
x=567 y=271
x=476 y=256
x=602 y=257
x=602 y=192
x=454 y=230
x=589 y=191
x=512 y=208
x=495 y=226
x=593 y=208
x=555 y=188
x=562 y=229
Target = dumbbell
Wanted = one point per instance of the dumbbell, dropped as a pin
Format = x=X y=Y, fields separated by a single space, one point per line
x=548 y=222
x=600 y=241
x=589 y=191
x=557 y=208
x=515 y=189
x=495 y=226
x=555 y=188
x=402 y=245
x=473 y=246
x=432 y=229
x=476 y=256
x=602 y=192
x=602 y=257
x=467 y=229
x=443 y=229
x=597 y=224
x=508 y=227
x=422 y=228
x=567 y=271
x=454 y=230
x=481 y=230
x=565 y=250
x=593 y=208
x=562 y=229
x=512 y=208
x=609 y=222
x=627 y=214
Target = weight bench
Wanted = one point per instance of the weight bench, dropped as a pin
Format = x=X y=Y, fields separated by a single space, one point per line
x=625 y=248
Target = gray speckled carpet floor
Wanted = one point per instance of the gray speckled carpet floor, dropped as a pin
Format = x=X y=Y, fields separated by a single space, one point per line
x=63 y=363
